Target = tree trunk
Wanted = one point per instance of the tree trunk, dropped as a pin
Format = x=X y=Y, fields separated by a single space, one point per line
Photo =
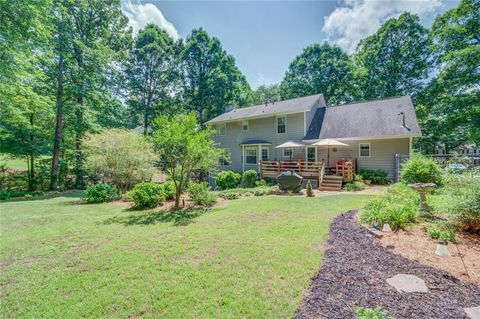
x=79 y=182
x=58 y=126
x=30 y=159
x=145 y=123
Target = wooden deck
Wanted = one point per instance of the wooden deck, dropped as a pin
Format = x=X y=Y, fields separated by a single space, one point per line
x=308 y=170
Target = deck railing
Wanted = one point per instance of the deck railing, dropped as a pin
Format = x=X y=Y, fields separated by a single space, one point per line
x=306 y=169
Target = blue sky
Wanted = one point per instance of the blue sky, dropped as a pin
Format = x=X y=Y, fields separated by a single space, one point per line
x=265 y=36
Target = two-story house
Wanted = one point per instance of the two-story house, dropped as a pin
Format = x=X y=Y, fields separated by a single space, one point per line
x=374 y=131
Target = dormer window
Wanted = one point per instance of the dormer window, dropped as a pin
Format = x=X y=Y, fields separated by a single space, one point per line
x=281 y=124
x=245 y=125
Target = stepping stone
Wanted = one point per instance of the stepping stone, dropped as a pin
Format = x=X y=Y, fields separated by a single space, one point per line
x=473 y=313
x=407 y=283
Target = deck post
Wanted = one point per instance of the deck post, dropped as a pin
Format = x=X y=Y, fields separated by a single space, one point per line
x=243 y=158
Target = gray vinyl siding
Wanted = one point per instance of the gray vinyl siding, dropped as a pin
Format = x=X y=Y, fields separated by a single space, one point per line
x=263 y=129
x=382 y=153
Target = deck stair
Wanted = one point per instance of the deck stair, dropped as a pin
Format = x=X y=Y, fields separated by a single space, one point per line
x=331 y=183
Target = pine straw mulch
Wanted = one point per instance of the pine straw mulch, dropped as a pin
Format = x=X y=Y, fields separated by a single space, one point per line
x=355 y=271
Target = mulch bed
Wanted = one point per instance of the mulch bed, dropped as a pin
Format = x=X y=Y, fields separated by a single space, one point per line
x=355 y=271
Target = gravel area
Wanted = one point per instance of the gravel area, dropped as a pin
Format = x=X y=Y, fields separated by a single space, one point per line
x=355 y=271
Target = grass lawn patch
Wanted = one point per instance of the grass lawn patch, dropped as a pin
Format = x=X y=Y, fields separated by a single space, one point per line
x=252 y=257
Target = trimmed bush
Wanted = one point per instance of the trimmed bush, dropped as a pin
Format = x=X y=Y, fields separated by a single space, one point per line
x=100 y=193
x=231 y=195
x=355 y=186
x=146 y=195
x=309 y=190
x=398 y=208
x=168 y=189
x=376 y=176
x=249 y=178
x=420 y=169
x=228 y=179
x=200 y=194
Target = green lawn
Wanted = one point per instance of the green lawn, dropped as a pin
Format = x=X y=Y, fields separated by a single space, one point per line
x=253 y=257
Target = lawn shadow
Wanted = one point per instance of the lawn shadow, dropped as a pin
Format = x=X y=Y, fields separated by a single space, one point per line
x=176 y=217
x=68 y=194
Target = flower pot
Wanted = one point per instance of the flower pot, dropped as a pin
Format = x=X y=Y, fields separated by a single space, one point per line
x=442 y=250
x=386 y=228
x=367 y=181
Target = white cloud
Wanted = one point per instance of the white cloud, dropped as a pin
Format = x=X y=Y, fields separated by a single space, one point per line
x=356 y=19
x=141 y=14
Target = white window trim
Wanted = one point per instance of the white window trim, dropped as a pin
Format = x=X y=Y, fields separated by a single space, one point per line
x=360 y=149
x=261 y=152
x=256 y=154
x=276 y=126
x=219 y=131
x=306 y=152
x=287 y=148
x=248 y=125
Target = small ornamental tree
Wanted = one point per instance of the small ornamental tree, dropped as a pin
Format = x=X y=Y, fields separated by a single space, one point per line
x=184 y=147
x=119 y=156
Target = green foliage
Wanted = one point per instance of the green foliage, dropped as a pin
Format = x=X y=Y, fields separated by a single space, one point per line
x=376 y=176
x=200 y=194
x=395 y=60
x=441 y=233
x=266 y=94
x=355 y=186
x=261 y=183
x=420 y=169
x=228 y=179
x=146 y=195
x=398 y=208
x=168 y=188
x=212 y=80
x=249 y=178
x=184 y=147
x=321 y=68
x=368 y=313
x=230 y=195
x=100 y=193
x=461 y=199
x=119 y=156
x=309 y=189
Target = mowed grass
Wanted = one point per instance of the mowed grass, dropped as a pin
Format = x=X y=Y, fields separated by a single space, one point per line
x=250 y=258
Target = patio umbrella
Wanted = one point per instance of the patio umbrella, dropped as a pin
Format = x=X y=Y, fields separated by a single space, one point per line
x=329 y=142
x=289 y=144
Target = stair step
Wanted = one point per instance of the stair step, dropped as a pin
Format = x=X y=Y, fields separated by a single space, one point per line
x=323 y=188
x=330 y=184
x=332 y=177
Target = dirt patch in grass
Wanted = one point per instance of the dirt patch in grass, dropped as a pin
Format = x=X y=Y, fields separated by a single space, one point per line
x=415 y=244
x=356 y=268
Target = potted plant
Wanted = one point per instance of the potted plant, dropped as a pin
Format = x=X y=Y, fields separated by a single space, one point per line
x=309 y=189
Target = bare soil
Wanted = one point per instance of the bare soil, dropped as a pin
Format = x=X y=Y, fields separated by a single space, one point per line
x=355 y=271
x=415 y=244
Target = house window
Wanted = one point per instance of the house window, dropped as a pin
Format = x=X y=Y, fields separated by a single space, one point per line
x=311 y=156
x=462 y=151
x=244 y=125
x=251 y=155
x=364 y=150
x=222 y=129
x=225 y=159
x=264 y=153
x=287 y=152
x=281 y=124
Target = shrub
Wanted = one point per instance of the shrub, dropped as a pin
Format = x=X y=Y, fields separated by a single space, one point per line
x=228 y=179
x=249 y=178
x=168 y=189
x=146 y=195
x=4 y=194
x=376 y=176
x=230 y=195
x=368 y=313
x=420 y=169
x=100 y=193
x=119 y=156
x=309 y=189
x=442 y=234
x=355 y=186
x=398 y=208
x=200 y=194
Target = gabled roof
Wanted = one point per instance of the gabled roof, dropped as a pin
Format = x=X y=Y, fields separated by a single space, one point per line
x=301 y=104
x=378 y=118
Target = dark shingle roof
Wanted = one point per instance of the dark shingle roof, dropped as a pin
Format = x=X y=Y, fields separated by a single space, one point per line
x=254 y=142
x=377 y=118
x=300 y=104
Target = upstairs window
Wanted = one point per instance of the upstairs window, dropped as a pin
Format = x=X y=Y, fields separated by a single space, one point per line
x=222 y=129
x=364 y=149
x=245 y=125
x=281 y=124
